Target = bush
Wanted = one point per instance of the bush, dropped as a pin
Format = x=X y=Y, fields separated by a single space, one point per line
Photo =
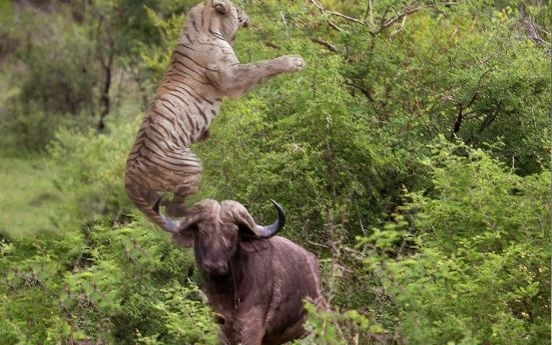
x=479 y=272
x=107 y=284
x=91 y=169
x=60 y=72
x=30 y=133
x=52 y=78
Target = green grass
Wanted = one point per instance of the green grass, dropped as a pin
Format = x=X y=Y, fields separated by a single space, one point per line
x=27 y=196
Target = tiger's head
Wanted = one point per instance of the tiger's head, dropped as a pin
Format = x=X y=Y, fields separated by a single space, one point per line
x=220 y=18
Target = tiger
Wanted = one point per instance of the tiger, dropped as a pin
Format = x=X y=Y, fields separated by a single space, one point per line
x=202 y=70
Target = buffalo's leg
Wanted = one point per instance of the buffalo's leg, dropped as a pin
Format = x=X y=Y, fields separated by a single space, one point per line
x=250 y=328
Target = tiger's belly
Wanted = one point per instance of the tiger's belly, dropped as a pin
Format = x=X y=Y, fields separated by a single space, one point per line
x=177 y=172
x=162 y=158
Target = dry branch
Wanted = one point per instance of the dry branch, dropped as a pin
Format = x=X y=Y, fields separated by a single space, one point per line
x=384 y=21
x=328 y=45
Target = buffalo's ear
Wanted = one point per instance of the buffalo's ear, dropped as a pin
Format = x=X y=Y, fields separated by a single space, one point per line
x=245 y=230
x=252 y=245
x=187 y=227
x=221 y=6
x=184 y=238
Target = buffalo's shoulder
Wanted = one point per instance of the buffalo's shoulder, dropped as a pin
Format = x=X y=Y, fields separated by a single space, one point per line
x=254 y=245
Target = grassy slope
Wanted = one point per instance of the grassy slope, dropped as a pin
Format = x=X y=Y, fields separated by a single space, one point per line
x=27 y=196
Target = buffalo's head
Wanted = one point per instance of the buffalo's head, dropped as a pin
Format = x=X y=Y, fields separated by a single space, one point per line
x=215 y=228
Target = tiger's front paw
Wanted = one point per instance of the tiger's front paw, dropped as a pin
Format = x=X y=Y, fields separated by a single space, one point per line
x=293 y=63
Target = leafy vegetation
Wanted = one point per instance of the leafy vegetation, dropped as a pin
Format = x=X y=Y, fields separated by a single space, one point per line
x=411 y=156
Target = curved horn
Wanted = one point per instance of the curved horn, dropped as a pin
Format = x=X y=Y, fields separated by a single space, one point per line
x=272 y=229
x=235 y=212
x=177 y=226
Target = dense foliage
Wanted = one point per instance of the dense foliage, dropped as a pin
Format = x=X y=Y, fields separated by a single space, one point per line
x=411 y=156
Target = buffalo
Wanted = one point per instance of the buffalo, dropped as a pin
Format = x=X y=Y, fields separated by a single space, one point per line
x=255 y=282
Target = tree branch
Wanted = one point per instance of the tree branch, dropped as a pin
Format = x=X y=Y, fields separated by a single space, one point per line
x=323 y=11
x=531 y=28
x=326 y=44
x=489 y=119
x=461 y=116
x=400 y=15
x=352 y=19
x=384 y=23
x=457 y=122
x=363 y=90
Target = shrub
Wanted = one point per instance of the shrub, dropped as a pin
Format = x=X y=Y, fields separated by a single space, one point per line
x=107 y=284
x=91 y=168
x=479 y=272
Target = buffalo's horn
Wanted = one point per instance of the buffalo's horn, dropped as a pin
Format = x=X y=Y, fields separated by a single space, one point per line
x=272 y=229
x=175 y=226
x=235 y=212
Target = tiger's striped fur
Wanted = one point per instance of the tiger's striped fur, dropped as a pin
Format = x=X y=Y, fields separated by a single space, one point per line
x=202 y=70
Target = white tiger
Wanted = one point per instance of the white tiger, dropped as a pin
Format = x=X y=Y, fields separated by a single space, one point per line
x=202 y=70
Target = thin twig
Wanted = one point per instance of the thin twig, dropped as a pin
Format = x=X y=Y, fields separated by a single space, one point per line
x=384 y=23
x=323 y=11
x=283 y=16
x=400 y=15
x=326 y=44
x=333 y=13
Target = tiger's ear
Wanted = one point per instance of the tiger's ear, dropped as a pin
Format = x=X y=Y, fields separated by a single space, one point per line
x=222 y=6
